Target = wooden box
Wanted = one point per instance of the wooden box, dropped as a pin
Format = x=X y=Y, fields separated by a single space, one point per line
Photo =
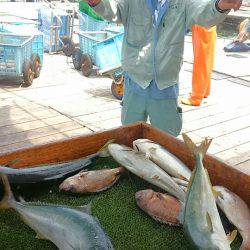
x=220 y=173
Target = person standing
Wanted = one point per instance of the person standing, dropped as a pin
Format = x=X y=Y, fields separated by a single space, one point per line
x=204 y=41
x=152 y=52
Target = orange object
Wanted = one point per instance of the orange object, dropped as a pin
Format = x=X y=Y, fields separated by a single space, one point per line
x=204 y=41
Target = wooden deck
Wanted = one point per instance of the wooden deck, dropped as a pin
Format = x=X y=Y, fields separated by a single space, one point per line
x=62 y=103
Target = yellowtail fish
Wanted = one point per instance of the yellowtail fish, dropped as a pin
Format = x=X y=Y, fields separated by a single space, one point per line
x=68 y=228
x=201 y=220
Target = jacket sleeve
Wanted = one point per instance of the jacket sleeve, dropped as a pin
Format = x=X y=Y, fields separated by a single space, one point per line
x=203 y=13
x=113 y=10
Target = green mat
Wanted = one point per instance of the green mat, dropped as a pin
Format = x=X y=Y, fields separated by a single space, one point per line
x=116 y=209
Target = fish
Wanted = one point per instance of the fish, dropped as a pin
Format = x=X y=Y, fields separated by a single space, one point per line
x=161 y=207
x=68 y=228
x=180 y=182
x=163 y=158
x=46 y=172
x=236 y=211
x=91 y=181
x=200 y=217
x=138 y=164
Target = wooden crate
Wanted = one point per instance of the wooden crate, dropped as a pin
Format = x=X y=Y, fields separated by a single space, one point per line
x=220 y=173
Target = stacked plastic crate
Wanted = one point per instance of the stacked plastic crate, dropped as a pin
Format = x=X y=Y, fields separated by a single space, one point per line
x=55 y=24
x=103 y=47
x=20 y=28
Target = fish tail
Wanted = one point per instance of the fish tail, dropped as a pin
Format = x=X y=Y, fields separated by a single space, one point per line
x=193 y=148
x=103 y=151
x=8 y=195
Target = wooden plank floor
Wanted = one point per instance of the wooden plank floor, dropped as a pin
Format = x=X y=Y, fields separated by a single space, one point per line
x=62 y=103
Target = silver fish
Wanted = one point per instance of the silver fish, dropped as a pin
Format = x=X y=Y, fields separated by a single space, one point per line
x=201 y=220
x=163 y=158
x=68 y=228
x=50 y=171
x=237 y=212
x=138 y=164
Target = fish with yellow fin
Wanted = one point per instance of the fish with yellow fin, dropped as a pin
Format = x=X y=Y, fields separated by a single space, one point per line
x=201 y=220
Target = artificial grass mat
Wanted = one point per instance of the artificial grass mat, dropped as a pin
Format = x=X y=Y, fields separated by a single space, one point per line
x=116 y=209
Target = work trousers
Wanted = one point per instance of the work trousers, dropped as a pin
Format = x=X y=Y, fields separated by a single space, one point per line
x=204 y=41
x=162 y=113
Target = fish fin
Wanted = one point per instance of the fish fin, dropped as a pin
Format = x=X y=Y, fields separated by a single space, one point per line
x=141 y=153
x=83 y=170
x=203 y=147
x=191 y=180
x=209 y=222
x=189 y=143
x=183 y=188
x=231 y=236
x=147 y=155
x=54 y=177
x=158 y=219
x=182 y=177
x=193 y=148
x=21 y=199
x=103 y=151
x=181 y=182
x=152 y=151
x=85 y=208
x=8 y=196
x=156 y=177
x=40 y=236
x=216 y=193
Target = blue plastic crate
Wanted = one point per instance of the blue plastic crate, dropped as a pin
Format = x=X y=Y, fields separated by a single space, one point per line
x=27 y=29
x=14 y=50
x=87 y=42
x=88 y=23
x=37 y=46
x=108 y=52
x=118 y=41
x=56 y=17
x=103 y=47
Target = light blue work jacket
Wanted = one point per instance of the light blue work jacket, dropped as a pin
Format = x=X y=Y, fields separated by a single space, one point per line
x=156 y=54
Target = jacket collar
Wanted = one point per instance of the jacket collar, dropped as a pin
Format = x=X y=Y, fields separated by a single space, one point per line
x=153 y=6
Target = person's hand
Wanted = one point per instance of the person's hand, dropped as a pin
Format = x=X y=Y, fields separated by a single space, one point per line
x=229 y=4
x=92 y=2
